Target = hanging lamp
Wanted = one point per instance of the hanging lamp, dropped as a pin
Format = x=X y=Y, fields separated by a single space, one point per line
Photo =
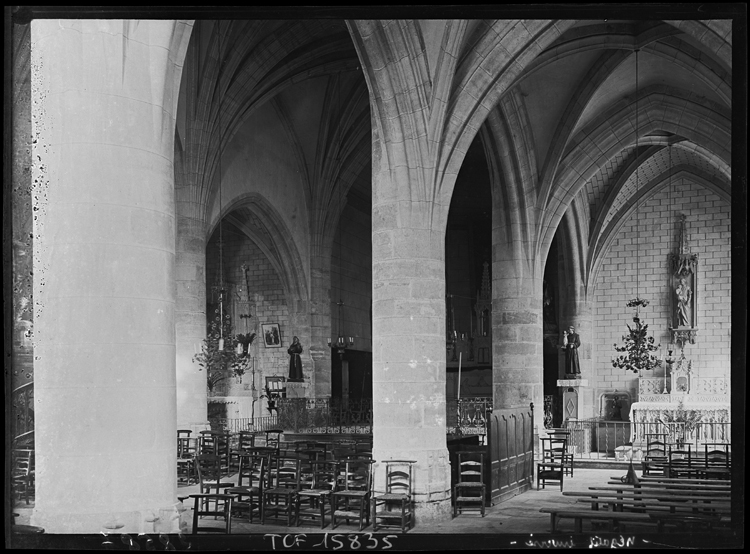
x=342 y=342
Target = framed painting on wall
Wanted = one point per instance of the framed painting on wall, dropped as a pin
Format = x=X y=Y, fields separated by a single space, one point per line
x=271 y=335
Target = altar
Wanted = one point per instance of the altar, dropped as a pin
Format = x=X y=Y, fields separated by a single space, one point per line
x=697 y=413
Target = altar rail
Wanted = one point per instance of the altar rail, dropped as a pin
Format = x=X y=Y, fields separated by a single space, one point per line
x=704 y=432
x=596 y=438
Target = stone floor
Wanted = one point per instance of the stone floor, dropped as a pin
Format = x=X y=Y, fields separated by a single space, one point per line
x=517 y=522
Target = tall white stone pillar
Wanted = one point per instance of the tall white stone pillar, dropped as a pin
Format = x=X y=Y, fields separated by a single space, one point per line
x=190 y=319
x=104 y=274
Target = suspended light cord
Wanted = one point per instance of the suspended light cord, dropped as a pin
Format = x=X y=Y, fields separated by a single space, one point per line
x=221 y=226
x=637 y=190
x=669 y=184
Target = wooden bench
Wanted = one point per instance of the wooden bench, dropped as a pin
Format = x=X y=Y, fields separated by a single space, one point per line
x=714 y=507
x=578 y=516
x=702 y=486
x=660 y=479
x=660 y=514
x=644 y=500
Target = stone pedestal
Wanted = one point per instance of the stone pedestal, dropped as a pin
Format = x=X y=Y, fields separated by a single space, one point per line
x=571 y=397
x=296 y=389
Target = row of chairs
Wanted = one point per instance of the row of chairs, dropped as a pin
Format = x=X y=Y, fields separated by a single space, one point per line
x=664 y=458
x=227 y=445
x=293 y=487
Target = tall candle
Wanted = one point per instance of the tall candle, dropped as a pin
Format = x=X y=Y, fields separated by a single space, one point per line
x=459 y=375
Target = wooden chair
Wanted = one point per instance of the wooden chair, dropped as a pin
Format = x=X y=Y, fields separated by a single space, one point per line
x=317 y=483
x=655 y=459
x=552 y=466
x=342 y=452
x=283 y=485
x=201 y=508
x=470 y=488
x=394 y=509
x=245 y=441
x=564 y=434
x=350 y=499
x=252 y=479
x=187 y=450
x=22 y=481
x=273 y=437
x=210 y=479
x=717 y=461
x=680 y=462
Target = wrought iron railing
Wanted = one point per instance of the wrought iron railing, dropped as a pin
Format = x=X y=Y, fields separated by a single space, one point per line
x=324 y=416
x=549 y=402
x=469 y=416
x=243 y=423
x=597 y=438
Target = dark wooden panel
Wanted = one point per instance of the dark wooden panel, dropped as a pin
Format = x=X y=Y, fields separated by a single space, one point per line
x=510 y=440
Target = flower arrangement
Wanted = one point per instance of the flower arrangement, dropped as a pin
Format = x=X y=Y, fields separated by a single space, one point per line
x=681 y=422
x=221 y=351
x=637 y=352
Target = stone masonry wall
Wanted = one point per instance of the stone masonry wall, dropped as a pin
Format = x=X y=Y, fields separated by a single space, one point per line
x=648 y=237
x=270 y=307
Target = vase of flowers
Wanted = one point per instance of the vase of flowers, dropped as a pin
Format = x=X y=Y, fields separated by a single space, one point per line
x=680 y=423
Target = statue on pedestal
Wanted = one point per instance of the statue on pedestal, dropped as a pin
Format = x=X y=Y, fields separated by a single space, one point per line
x=571 y=343
x=295 y=361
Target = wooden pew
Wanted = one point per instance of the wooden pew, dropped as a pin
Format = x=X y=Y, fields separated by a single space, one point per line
x=700 y=486
x=650 y=500
x=579 y=515
x=659 y=508
x=687 y=506
x=659 y=479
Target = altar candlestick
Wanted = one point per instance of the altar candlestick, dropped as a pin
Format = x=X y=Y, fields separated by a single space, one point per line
x=459 y=375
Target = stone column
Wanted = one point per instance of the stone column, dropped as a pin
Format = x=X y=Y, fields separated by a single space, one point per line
x=103 y=124
x=409 y=346
x=517 y=332
x=517 y=356
x=190 y=318
x=320 y=325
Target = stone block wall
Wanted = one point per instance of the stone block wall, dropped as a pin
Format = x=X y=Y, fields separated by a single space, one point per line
x=269 y=302
x=639 y=253
x=351 y=278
